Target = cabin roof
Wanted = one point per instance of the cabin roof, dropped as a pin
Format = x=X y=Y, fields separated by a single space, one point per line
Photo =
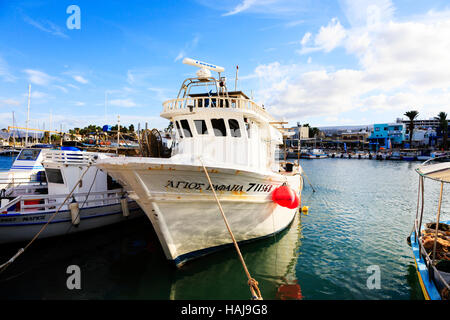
x=439 y=171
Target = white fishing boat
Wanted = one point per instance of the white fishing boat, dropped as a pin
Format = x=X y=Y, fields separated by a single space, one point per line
x=25 y=169
x=313 y=154
x=236 y=142
x=96 y=202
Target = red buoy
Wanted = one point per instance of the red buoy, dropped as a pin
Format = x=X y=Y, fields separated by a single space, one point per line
x=285 y=197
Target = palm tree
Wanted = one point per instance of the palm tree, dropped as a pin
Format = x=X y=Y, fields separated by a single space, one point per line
x=411 y=115
x=443 y=125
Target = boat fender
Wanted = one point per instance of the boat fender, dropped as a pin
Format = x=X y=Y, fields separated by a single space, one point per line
x=305 y=210
x=74 y=213
x=124 y=205
x=285 y=197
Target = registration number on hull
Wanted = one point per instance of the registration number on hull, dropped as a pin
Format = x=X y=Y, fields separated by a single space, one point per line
x=250 y=187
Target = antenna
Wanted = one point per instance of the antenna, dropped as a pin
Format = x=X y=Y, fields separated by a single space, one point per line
x=203 y=65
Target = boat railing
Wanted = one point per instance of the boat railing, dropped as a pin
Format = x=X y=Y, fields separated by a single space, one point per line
x=70 y=157
x=27 y=203
x=200 y=103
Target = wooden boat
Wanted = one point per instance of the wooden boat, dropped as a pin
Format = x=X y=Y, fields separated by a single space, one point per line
x=430 y=242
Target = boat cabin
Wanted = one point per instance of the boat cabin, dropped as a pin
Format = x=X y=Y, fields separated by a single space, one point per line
x=222 y=126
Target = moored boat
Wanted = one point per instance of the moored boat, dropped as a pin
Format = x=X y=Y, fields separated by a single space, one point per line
x=25 y=170
x=236 y=142
x=430 y=242
x=313 y=154
x=96 y=202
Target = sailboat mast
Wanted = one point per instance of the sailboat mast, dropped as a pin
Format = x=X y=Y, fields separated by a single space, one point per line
x=28 y=115
x=14 y=133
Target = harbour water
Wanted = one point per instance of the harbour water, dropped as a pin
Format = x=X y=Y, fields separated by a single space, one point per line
x=359 y=216
x=6 y=162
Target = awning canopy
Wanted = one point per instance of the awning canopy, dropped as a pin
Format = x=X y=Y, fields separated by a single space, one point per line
x=438 y=171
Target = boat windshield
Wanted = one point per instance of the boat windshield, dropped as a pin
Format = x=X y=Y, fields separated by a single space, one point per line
x=28 y=154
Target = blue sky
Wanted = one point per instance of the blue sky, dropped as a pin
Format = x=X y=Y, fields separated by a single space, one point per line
x=322 y=62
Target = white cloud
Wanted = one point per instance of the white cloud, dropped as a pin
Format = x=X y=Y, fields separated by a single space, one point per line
x=401 y=65
x=9 y=102
x=306 y=38
x=327 y=39
x=63 y=89
x=244 y=5
x=73 y=86
x=188 y=48
x=46 y=26
x=367 y=12
x=80 y=79
x=38 y=94
x=126 y=103
x=5 y=73
x=39 y=77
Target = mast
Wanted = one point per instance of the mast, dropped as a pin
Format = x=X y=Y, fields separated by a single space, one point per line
x=28 y=115
x=106 y=113
x=118 y=133
x=50 y=133
x=14 y=134
x=236 y=80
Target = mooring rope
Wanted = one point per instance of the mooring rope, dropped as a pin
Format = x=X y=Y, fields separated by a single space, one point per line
x=302 y=172
x=253 y=284
x=22 y=250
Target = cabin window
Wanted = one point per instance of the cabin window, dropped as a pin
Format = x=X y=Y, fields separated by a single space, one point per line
x=234 y=128
x=186 y=129
x=179 y=129
x=29 y=154
x=219 y=127
x=200 y=125
x=54 y=176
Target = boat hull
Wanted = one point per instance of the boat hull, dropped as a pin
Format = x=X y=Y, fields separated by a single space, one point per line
x=180 y=204
x=23 y=227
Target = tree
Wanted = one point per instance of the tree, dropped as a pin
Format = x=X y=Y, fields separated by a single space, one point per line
x=412 y=115
x=443 y=126
x=313 y=132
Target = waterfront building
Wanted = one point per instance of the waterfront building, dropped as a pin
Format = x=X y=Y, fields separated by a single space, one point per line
x=423 y=137
x=430 y=123
x=385 y=135
x=300 y=132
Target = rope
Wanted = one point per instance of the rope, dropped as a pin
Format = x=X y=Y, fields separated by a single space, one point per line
x=22 y=250
x=253 y=284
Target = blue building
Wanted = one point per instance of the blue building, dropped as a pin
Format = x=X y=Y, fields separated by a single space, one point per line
x=387 y=135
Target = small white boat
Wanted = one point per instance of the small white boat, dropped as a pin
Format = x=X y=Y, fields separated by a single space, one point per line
x=100 y=200
x=25 y=170
x=236 y=141
x=313 y=154
x=395 y=156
